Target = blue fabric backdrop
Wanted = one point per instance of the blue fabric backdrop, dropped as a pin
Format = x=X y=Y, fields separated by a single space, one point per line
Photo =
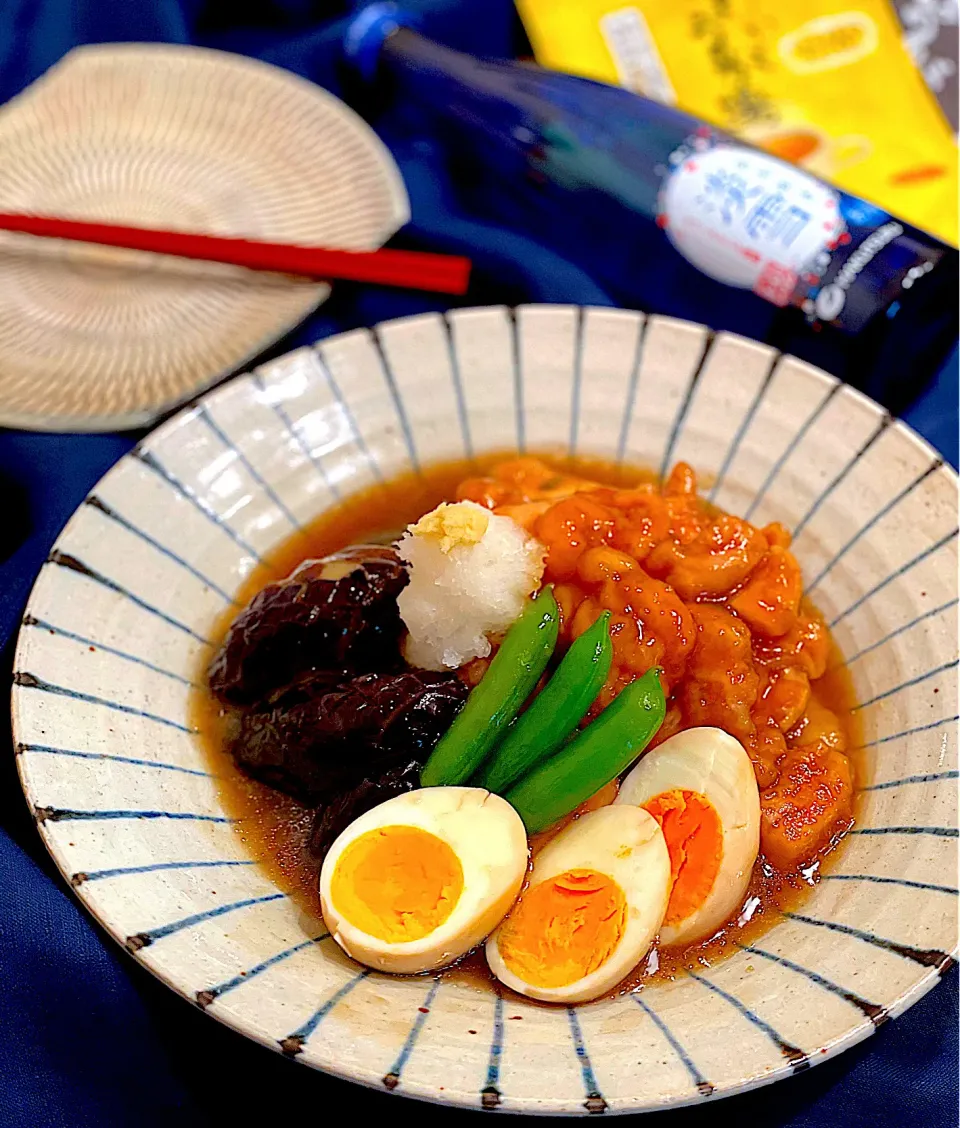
x=90 y=1039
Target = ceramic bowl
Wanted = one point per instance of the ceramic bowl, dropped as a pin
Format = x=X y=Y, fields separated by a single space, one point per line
x=117 y=629
x=180 y=138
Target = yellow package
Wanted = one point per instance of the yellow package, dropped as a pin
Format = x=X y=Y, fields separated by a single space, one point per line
x=827 y=84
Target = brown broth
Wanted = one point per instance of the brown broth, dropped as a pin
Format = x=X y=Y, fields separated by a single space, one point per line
x=275 y=828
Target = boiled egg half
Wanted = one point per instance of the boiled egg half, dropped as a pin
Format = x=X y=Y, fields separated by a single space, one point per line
x=418 y=881
x=596 y=897
x=700 y=787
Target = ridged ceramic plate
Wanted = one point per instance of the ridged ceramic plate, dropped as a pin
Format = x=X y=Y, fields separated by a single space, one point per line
x=96 y=338
x=117 y=629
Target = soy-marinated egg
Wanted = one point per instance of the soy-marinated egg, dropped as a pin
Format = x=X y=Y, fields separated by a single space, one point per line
x=418 y=881
x=700 y=787
x=596 y=897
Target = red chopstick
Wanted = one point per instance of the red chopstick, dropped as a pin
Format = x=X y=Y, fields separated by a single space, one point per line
x=416 y=270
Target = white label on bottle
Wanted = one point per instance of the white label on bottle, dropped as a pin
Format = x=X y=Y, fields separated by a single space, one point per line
x=747 y=219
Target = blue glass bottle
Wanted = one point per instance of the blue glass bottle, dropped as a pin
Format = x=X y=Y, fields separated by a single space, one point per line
x=672 y=216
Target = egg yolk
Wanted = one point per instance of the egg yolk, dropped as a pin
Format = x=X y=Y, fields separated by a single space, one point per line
x=397 y=883
x=694 y=836
x=564 y=928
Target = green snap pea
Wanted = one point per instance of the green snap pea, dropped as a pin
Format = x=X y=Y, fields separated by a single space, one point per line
x=556 y=711
x=597 y=755
x=492 y=705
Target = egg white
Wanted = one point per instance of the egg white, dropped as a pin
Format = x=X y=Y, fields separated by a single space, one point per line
x=488 y=838
x=715 y=765
x=626 y=844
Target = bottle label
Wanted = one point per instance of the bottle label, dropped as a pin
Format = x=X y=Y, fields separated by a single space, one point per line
x=747 y=219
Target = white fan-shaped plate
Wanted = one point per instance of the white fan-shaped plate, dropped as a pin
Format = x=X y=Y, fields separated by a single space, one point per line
x=180 y=138
x=118 y=621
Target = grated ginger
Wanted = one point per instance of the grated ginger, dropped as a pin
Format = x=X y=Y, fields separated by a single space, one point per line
x=453 y=525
